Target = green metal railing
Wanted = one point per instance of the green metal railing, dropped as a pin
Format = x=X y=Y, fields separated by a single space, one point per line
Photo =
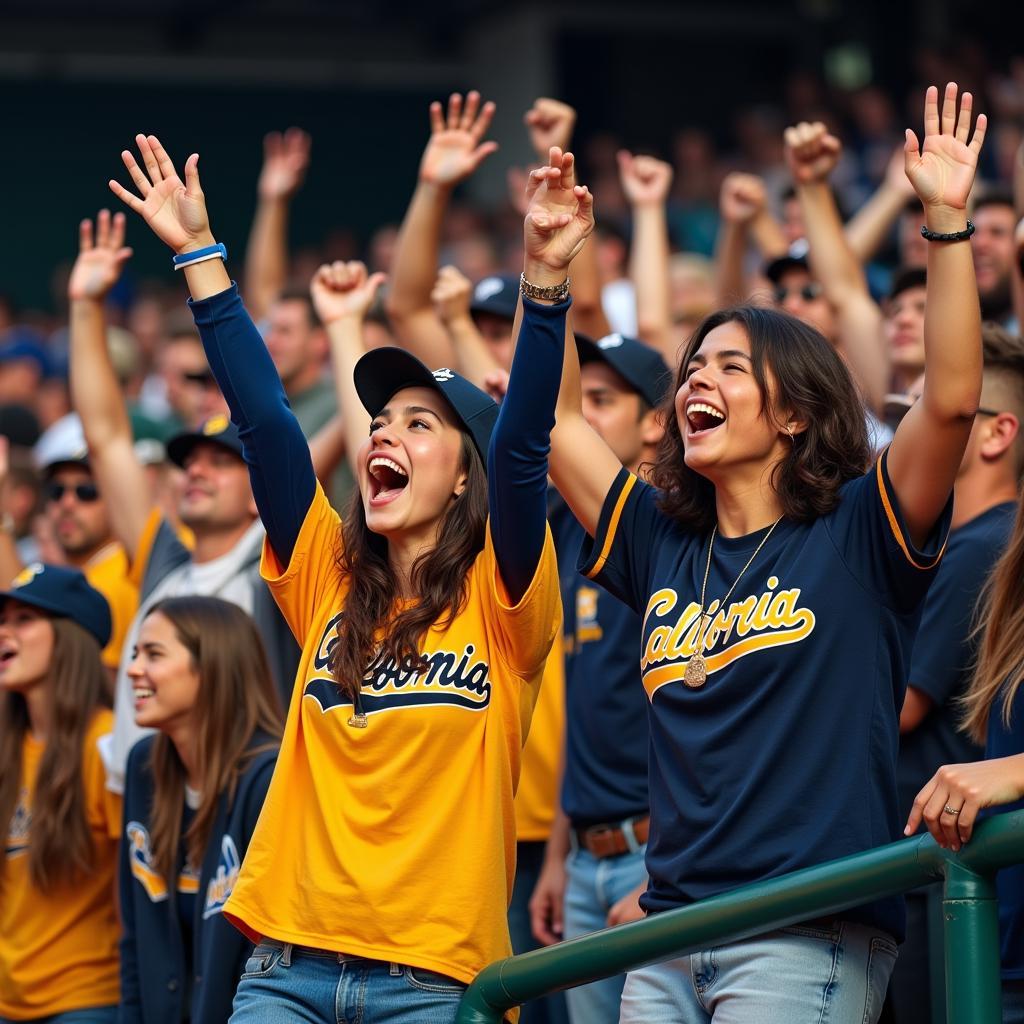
x=968 y=909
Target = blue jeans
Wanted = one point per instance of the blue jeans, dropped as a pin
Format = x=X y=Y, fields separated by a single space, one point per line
x=592 y=887
x=807 y=974
x=283 y=983
x=94 y=1015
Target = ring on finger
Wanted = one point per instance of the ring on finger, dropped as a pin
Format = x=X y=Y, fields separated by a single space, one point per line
x=954 y=811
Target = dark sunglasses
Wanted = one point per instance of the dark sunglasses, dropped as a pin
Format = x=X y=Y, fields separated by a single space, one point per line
x=83 y=492
x=808 y=292
x=203 y=378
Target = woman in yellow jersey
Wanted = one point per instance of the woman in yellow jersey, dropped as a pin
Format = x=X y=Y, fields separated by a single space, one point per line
x=378 y=877
x=58 y=924
x=193 y=792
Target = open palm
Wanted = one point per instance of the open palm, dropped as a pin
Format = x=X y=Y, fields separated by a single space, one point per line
x=99 y=261
x=560 y=215
x=942 y=171
x=455 y=149
x=175 y=211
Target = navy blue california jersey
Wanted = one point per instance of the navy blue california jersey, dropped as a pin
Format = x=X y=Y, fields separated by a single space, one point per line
x=944 y=650
x=607 y=735
x=786 y=757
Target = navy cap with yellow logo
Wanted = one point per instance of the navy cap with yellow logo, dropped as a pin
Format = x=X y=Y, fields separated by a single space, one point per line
x=216 y=430
x=65 y=593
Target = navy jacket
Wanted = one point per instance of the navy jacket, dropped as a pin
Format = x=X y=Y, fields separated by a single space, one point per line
x=154 y=959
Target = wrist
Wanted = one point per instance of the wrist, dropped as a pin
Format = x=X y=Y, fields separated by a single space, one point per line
x=544 y=275
x=436 y=191
x=945 y=219
x=201 y=241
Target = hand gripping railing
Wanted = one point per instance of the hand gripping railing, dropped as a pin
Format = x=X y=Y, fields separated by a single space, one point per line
x=968 y=909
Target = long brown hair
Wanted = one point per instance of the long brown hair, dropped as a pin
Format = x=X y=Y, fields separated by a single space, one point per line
x=1000 y=625
x=811 y=380
x=439 y=578
x=237 y=699
x=60 y=847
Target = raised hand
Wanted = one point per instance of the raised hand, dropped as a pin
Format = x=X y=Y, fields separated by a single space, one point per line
x=451 y=295
x=560 y=215
x=942 y=171
x=285 y=162
x=455 y=149
x=100 y=260
x=343 y=290
x=176 y=212
x=742 y=198
x=645 y=179
x=550 y=123
x=811 y=152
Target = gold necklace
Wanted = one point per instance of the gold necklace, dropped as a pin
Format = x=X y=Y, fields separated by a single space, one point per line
x=696 y=674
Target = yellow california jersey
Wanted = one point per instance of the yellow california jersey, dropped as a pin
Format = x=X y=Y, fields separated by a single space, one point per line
x=539 y=780
x=58 y=949
x=397 y=841
x=108 y=572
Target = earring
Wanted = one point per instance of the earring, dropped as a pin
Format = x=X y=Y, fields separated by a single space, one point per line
x=789 y=430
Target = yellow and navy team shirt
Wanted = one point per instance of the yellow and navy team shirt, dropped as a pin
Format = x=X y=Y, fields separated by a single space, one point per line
x=109 y=573
x=58 y=949
x=397 y=842
x=786 y=757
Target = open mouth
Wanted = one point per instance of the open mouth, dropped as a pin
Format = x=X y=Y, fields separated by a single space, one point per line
x=703 y=417
x=140 y=694
x=387 y=479
x=6 y=657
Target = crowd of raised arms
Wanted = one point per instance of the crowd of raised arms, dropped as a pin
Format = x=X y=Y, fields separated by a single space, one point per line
x=359 y=627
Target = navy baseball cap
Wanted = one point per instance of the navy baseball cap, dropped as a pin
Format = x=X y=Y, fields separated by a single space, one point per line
x=65 y=593
x=216 y=430
x=777 y=268
x=497 y=295
x=383 y=371
x=638 y=364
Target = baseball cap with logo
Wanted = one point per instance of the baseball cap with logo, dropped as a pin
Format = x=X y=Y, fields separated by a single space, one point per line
x=216 y=430
x=384 y=371
x=638 y=364
x=65 y=593
x=497 y=295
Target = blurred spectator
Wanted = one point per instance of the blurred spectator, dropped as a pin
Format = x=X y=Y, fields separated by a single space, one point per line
x=992 y=244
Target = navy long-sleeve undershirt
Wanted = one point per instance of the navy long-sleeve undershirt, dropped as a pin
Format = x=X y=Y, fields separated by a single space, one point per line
x=273 y=445
x=518 y=458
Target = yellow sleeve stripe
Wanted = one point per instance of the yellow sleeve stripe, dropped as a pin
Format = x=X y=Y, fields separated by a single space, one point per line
x=894 y=522
x=613 y=525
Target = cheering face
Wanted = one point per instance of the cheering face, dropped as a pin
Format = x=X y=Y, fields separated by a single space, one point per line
x=26 y=646
x=904 y=330
x=720 y=410
x=410 y=468
x=992 y=248
x=798 y=294
x=165 y=683
x=75 y=510
x=217 y=494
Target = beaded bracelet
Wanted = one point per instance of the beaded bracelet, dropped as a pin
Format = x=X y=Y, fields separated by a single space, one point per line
x=948 y=236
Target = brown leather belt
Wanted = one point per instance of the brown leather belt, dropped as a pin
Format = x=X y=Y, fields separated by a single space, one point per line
x=609 y=840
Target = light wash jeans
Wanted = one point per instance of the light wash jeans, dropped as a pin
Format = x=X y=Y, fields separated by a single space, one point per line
x=282 y=984
x=800 y=975
x=592 y=888
x=93 y=1015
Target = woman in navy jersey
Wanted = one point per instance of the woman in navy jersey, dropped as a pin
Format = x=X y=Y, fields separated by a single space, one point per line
x=950 y=801
x=780 y=587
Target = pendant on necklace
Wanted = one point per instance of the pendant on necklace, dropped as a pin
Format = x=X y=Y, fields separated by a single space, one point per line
x=696 y=674
x=358 y=721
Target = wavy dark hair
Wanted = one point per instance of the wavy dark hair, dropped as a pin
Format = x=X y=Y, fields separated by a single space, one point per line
x=440 y=580
x=60 y=844
x=810 y=379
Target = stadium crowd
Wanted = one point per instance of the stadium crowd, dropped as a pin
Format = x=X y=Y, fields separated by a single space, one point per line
x=551 y=566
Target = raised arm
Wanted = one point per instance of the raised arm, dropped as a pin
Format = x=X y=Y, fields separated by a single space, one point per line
x=280 y=468
x=1017 y=274
x=930 y=441
x=285 y=161
x=646 y=182
x=453 y=152
x=342 y=293
x=867 y=230
x=452 y=294
x=95 y=390
x=812 y=154
x=551 y=122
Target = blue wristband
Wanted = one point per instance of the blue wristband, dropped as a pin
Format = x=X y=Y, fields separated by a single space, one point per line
x=211 y=252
